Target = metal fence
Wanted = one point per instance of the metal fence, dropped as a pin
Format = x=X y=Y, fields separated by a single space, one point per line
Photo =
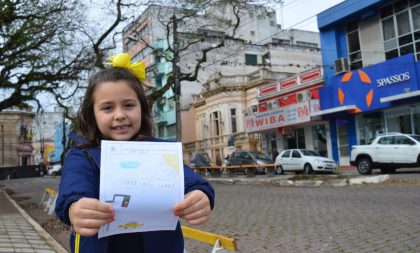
x=21 y=172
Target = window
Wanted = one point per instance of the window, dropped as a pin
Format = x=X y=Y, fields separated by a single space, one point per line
x=172 y=130
x=388 y=140
x=161 y=131
x=272 y=23
x=296 y=154
x=215 y=117
x=401 y=28
x=250 y=59
x=171 y=104
x=233 y=120
x=369 y=125
x=266 y=59
x=306 y=44
x=158 y=81
x=252 y=33
x=24 y=161
x=403 y=140
x=286 y=154
x=353 y=42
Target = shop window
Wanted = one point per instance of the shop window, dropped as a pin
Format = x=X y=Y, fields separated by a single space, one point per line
x=416 y=120
x=369 y=125
x=319 y=134
x=398 y=120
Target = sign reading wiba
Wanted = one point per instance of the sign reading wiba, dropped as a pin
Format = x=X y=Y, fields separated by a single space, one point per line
x=283 y=116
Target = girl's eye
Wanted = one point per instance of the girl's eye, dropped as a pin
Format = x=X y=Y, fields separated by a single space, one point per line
x=106 y=108
x=130 y=105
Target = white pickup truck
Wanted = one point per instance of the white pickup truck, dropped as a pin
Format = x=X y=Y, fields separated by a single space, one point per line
x=387 y=152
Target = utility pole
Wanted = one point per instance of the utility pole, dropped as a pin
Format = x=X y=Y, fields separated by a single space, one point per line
x=177 y=84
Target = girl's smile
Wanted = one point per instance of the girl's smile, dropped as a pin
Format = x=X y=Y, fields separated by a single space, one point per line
x=117 y=110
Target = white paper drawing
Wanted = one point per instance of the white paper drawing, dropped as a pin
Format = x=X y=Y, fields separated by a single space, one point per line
x=142 y=181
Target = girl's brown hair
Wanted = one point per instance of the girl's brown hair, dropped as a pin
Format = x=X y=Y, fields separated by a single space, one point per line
x=86 y=123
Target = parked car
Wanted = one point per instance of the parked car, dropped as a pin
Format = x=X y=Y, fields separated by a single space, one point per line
x=388 y=152
x=303 y=160
x=243 y=157
x=55 y=170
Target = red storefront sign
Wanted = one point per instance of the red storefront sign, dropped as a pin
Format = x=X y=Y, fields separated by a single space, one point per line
x=283 y=116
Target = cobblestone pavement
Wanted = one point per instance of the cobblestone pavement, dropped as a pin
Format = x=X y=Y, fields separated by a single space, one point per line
x=367 y=218
x=16 y=234
x=364 y=218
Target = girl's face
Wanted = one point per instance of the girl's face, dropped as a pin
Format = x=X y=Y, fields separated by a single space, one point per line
x=117 y=110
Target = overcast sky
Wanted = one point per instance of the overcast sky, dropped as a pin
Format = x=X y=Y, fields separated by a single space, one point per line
x=295 y=11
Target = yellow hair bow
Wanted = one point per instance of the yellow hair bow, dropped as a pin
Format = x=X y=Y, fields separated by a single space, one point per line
x=123 y=60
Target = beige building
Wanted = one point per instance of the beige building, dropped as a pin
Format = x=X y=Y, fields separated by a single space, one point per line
x=16 y=147
x=218 y=114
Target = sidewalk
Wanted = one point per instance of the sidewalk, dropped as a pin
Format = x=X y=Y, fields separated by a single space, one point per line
x=20 y=233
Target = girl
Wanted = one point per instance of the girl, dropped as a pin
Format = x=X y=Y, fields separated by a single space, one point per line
x=115 y=108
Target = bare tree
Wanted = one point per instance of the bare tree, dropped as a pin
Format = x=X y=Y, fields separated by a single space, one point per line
x=193 y=29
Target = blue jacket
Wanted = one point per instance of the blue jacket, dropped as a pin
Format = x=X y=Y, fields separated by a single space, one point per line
x=80 y=178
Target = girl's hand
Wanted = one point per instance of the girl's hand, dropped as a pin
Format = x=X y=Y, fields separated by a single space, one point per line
x=87 y=215
x=194 y=209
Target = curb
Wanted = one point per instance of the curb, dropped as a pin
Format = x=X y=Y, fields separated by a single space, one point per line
x=302 y=183
x=50 y=240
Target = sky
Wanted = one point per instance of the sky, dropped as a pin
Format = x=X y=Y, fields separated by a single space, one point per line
x=296 y=11
x=297 y=14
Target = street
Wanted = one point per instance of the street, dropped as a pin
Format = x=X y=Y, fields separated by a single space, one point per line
x=367 y=218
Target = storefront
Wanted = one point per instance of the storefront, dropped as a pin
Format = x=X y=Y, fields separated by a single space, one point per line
x=377 y=99
x=284 y=116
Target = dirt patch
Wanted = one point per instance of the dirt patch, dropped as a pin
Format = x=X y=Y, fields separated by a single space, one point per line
x=319 y=177
x=50 y=223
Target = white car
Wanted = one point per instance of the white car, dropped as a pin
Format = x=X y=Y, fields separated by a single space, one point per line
x=54 y=170
x=388 y=152
x=303 y=160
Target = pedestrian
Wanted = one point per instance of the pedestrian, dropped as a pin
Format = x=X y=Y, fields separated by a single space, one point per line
x=202 y=159
x=275 y=154
x=218 y=160
x=115 y=108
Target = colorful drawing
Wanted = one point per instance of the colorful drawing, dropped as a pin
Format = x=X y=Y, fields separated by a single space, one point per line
x=131 y=224
x=125 y=201
x=172 y=161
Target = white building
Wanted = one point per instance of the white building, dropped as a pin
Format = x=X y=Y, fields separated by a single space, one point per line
x=259 y=42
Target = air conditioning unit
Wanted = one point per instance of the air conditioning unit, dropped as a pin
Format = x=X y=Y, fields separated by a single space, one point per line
x=304 y=96
x=342 y=65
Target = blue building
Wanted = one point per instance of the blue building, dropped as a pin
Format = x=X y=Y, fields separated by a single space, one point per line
x=370 y=51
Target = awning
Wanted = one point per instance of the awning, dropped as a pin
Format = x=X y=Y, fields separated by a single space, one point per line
x=333 y=110
x=400 y=96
